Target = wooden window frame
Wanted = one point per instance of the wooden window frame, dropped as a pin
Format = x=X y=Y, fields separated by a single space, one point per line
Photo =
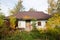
x=39 y=23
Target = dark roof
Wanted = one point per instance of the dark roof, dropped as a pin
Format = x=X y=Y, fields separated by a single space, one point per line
x=32 y=15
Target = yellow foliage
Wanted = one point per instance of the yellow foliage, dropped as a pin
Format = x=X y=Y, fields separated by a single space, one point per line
x=12 y=22
x=54 y=21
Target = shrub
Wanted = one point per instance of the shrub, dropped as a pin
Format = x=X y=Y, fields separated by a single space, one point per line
x=17 y=35
x=12 y=22
x=53 y=34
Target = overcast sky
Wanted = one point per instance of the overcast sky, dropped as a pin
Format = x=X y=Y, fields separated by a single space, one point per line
x=39 y=5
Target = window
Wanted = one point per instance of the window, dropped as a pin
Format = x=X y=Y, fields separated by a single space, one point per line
x=39 y=23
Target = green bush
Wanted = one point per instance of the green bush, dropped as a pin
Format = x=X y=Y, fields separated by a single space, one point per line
x=17 y=35
x=49 y=34
x=35 y=34
x=26 y=36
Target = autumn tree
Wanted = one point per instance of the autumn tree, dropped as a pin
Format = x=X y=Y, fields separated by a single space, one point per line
x=54 y=21
x=18 y=7
x=52 y=6
x=0 y=6
x=12 y=22
x=58 y=6
x=1 y=17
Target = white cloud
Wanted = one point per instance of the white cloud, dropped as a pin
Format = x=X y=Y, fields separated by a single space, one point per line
x=39 y=5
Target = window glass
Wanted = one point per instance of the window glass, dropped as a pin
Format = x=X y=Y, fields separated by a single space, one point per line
x=39 y=23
